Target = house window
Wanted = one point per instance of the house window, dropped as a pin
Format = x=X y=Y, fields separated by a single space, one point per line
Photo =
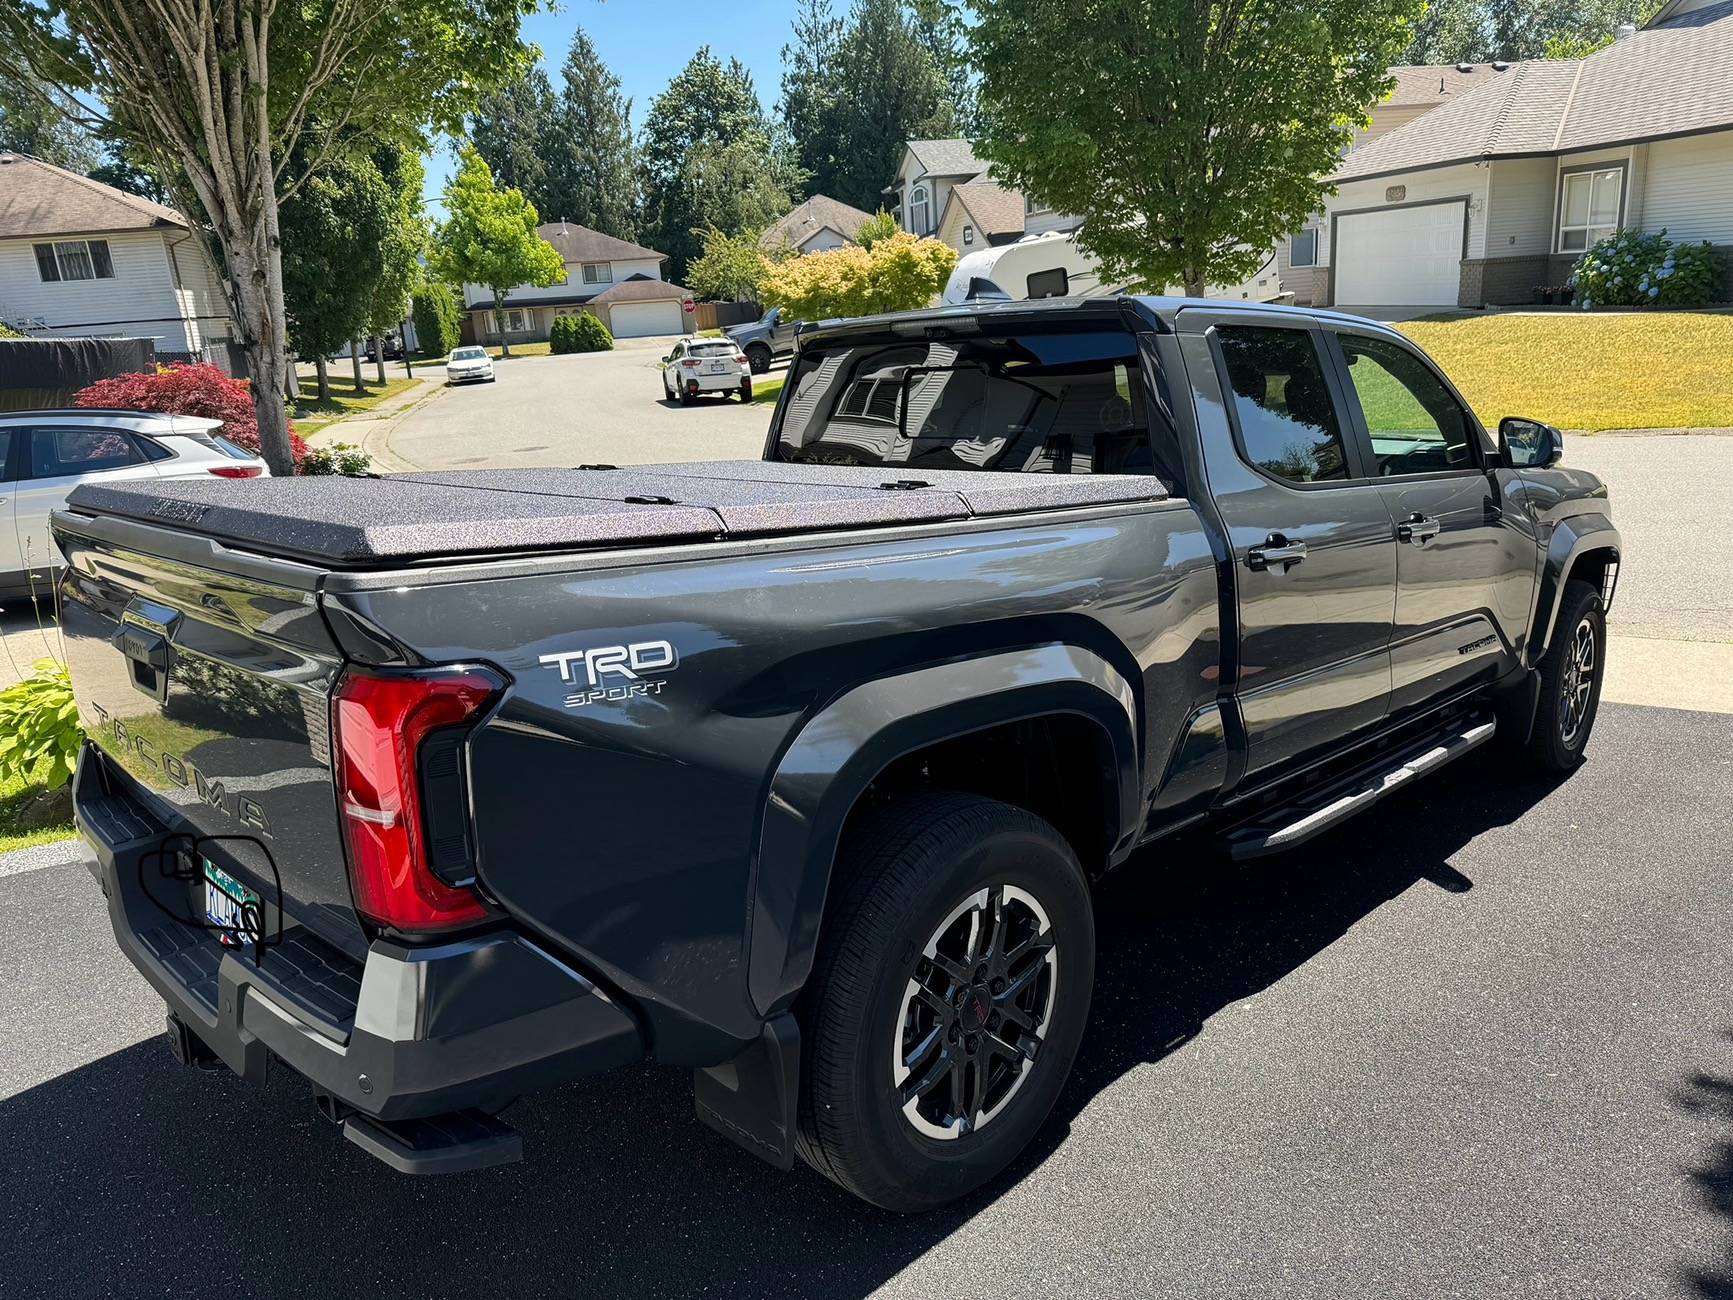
x=514 y=321
x=1303 y=248
x=1589 y=207
x=75 y=259
x=1032 y=205
x=598 y=272
x=920 y=211
x=968 y=234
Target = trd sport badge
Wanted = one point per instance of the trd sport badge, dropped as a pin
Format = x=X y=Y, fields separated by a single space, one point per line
x=613 y=672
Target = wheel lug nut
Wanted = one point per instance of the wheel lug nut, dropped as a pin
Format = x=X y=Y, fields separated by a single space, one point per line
x=998 y=986
x=993 y=1021
x=973 y=1043
x=980 y=974
x=955 y=1034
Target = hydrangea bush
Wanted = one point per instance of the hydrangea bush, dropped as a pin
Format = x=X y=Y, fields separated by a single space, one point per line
x=1631 y=269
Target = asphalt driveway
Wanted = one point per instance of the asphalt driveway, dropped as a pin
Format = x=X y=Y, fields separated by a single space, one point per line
x=1474 y=1044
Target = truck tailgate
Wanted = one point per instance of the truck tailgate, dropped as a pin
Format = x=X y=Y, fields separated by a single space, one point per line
x=211 y=689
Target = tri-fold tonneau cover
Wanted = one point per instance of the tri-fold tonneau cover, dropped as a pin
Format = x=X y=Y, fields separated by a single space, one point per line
x=367 y=522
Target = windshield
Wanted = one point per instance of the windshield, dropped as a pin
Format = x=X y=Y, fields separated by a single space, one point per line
x=1061 y=403
x=469 y=354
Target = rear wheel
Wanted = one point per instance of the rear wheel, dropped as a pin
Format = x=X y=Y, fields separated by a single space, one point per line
x=758 y=357
x=745 y=390
x=948 y=1000
x=1570 y=682
x=685 y=395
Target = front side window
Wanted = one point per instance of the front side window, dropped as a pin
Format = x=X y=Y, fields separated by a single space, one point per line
x=1416 y=426
x=919 y=209
x=1589 y=208
x=1303 y=248
x=74 y=259
x=1288 y=425
x=55 y=453
x=598 y=273
x=1066 y=403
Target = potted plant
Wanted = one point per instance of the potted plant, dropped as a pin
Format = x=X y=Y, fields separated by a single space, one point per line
x=1540 y=293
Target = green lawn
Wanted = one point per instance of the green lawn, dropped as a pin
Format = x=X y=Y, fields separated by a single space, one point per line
x=310 y=414
x=767 y=388
x=13 y=793
x=1577 y=370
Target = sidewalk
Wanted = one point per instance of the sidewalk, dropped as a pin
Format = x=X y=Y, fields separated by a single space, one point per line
x=370 y=430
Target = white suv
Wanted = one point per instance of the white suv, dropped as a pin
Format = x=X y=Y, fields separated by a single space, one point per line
x=45 y=454
x=706 y=366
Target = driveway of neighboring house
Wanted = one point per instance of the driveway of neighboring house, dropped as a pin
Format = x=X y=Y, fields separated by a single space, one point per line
x=588 y=408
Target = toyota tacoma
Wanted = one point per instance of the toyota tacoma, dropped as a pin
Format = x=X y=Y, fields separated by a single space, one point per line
x=442 y=788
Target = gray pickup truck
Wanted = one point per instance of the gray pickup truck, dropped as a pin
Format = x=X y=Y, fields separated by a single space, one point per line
x=772 y=335
x=442 y=788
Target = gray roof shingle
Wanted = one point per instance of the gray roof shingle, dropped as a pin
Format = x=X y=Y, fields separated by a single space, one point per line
x=1672 y=79
x=947 y=157
x=996 y=211
x=37 y=198
x=581 y=244
x=810 y=217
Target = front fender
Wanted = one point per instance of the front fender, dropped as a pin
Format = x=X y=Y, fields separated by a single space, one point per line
x=843 y=747
x=1572 y=538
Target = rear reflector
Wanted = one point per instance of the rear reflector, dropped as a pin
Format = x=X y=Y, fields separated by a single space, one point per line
x=380 y=724
x=234 y=471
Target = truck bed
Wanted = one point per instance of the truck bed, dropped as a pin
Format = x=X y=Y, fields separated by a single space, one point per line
x=387 y=520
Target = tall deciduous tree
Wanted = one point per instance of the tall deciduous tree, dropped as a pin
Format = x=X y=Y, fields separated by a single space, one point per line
x=731 y=267
x=403 y=247
x=1208 y=128
x=334 y=231
x=34 y=123
x=490 y=238
x=854 y=91
x=1476 y=31
x=226 y=90
x=593 y=173
x=711 y=158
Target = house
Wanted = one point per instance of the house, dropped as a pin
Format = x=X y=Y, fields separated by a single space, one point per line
x=1419 y=89
x=942 y=189
x=617 y=280
x=81 y=258
x=819 y=224
x=929 y=170
x=1502 y=188
x=980 y=214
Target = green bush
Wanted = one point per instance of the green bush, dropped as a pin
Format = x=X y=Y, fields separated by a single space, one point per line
x=39 y=723
x=438 y=319
x=1631 y=269
x=339 y=458
x=581 y=332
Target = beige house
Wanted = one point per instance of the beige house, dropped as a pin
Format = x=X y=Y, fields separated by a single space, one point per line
x=79 y=258
x=819 y=224
x=981 y=213
x=1502 y=188
x=617 y=280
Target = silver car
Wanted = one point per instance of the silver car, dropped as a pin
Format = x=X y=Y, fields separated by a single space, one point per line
x=45 y=454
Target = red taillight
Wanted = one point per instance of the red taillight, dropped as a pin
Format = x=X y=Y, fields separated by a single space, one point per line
x=379 y=724
x=689 y=365
x=234 y=471
x=741 y=361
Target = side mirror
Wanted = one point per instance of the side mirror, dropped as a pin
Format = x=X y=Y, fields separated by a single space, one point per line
x=1529 y=444
x=668 y=358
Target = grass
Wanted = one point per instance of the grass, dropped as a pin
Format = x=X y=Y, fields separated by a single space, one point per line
x=14 y=791
x=768 y=388
x=311 y=414
x=1638 y=370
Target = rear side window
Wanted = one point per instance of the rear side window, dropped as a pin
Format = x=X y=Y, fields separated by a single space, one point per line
x=1288 y=425
x=55 y=453
x=5 y=454
x=1060 y=403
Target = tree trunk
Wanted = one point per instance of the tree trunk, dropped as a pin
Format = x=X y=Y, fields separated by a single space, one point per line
x=499 y=316
x=355 y=365
x=403 y=333
x=379 y=355
x=1194 y=284
x=320 y=364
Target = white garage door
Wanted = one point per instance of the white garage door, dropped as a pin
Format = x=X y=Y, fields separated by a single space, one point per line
x=635 y=320
x=1403 y=257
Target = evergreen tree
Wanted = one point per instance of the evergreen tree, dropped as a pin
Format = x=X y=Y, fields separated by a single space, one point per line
x=515 y=129
x=593 y=165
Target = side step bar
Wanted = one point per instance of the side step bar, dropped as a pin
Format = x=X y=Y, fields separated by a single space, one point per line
x=443 y=1144
x=1319 y=809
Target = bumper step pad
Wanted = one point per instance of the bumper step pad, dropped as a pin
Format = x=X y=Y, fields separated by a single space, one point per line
x=441 y=1144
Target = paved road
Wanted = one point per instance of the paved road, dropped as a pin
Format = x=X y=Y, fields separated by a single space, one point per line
x=591 y=408
x=1476 y=1044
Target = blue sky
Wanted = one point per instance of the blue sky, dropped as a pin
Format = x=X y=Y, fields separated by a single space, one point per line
x=646 y=42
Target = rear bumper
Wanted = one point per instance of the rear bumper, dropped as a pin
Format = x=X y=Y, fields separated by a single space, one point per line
x=411 y=1032
x=714 y=383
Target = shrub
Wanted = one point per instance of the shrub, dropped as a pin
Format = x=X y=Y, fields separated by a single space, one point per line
x=898 y=273
x=438 y=319
x=39 y=724
x=189 y=390
x=1631 y=269
x=7 y=332
x=582 y=332
x=339 y=458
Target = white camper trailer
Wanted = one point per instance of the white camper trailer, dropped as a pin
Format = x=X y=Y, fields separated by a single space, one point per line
x=1051 y=265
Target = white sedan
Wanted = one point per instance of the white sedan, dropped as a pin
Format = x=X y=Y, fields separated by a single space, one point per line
x=45 y=454
x=469 y=366
x=706 y=366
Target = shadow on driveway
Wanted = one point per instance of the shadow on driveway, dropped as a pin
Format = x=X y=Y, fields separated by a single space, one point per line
x=133 y=1175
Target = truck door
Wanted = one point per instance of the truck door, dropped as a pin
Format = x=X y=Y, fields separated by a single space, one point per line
x=1313 y=544
x=1465 y=569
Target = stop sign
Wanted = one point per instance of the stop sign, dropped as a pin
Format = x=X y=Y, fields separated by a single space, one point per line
x=689 y=307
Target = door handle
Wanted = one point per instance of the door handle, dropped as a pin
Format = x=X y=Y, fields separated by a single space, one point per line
x=1417 y=528
x=1277 y=552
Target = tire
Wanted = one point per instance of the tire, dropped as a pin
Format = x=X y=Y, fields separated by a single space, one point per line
x=745 y=391
x=758 y=357
x=918 y=876
x=1568 y=704
x=685 y=395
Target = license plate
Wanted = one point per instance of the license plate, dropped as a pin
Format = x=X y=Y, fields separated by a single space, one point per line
x=715 y=367
x=230 y=906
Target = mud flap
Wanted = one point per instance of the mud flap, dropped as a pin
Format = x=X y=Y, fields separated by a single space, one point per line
x=752 y=1099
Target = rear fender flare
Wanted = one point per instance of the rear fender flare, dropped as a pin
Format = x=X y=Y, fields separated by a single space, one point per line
x=1572 y=538
x=840 y=750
